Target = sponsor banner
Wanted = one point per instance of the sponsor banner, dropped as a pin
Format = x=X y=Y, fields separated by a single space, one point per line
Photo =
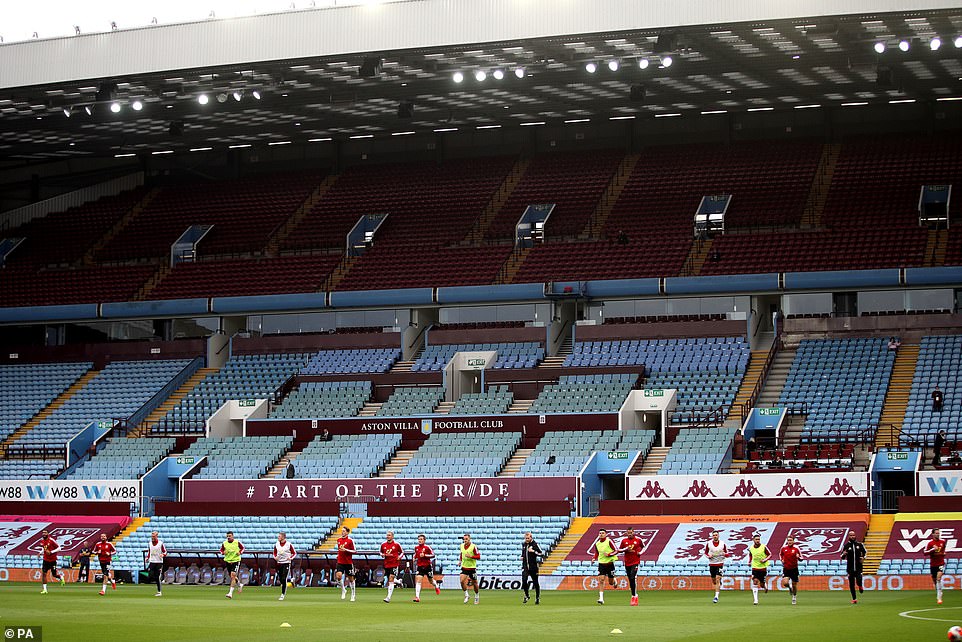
x=383 y=489
x=742 y=582
x=33 y=574
x=670 y=543
x=940 y=483
x=55 y=490
x=70 y=537
x=908 y=538
x=501 y=582
x=762 y=486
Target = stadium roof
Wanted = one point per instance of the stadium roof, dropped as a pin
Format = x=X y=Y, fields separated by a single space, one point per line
x=717 y=68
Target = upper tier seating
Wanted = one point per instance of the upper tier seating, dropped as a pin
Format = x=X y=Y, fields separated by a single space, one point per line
x=27 y=389
x=124 y=459
x=258 y=533
x=238 y=457
x=346 y=456
x=118 y=391
x=584 y=393
x=247 y=376
x=449 y=454
x=25 y=286
x=497 y=538
x=244 y=213
x=702 y=396
x=697 y=450
x=417 y=196
x=29 y=468
x=939 y=364
x=317 y=399
x=510 y=355
x=570 y=449
x=351 y=361
x=711 y=354
x=413 y=400
x=246 y=277
x=573 y=181
x=843 y=383
x=802 y=457
x=494 y=401
x=654 y=256
x=64 y=237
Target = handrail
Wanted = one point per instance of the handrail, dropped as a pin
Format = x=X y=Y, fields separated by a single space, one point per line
x=561 y=331
x=161 y=395
x=418 y=337
x=746 y=407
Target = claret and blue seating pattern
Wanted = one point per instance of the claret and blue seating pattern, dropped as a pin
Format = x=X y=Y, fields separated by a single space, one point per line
x=449 y=454
x=316 y=399
x=124 y=458
x=584 y=393
x=527 y=354
x=939 y=364
x=238 y=457
x=346 y=456
x=27 y=389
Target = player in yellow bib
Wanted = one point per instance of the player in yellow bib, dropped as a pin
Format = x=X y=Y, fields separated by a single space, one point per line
x=605 y=553
x=469 y=556
x=760 y=557
x=232 y=549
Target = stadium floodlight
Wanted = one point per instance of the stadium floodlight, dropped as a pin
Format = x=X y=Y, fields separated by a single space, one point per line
x=613 y=65
x=958 y=42
x=904 y=45
x=519 y=72
x=643 y=63
x=88 y=110
x=222 y=98
x=666 y=61
x=935 y=43
x=480 y=75
x=591 y=67
x=237 y=96
x=879 y=47
x=203 y=99
x=498 y=74
x=115 y=108
x=136 y=105
x=256 y=95
x=66 y=112
x=458 y=77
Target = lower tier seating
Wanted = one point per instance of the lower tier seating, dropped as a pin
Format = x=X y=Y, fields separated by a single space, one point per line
x=698 y=450
x=448 y=454
x=345 y=456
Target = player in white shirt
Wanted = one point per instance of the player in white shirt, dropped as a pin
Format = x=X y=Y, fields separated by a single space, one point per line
x=716 y=551
x=284 y=553
x=156 y=552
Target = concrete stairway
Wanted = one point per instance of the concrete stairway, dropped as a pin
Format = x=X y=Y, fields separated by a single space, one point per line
x=520 y=407
x=598 y=218
x=401 y=366
x=369 y=409
x=279 y=469
x=513 y=467
x=512 y=265
x=481 y=225
x=794 y=425
x=444 y=408
x=777 y=375
x=935 y=246
x=897 y=395
x=876 y=539
x=285 y=230
x=576 y=530
x=134 y=525
x=337 y=274
x=756 y=363
x=818 y=194
x=161 y=411
x=399 y=461
x=163 y=269
x=330 y=542
x=119 y=226
x=74 y=388
x=697 y=255
x=557 y=361
x=652 y=463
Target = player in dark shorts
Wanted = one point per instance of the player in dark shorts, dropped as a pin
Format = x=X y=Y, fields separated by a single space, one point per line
x=935 y=549
x=790 y=556
x=423 y=562
x=344 y=571
x=854 y=554
x=604 y=551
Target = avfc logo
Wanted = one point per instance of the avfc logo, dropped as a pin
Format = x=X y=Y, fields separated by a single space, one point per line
x=427 y=425
x=793 y=488
x=652 y=490
x=68 y=538
x=818 y=542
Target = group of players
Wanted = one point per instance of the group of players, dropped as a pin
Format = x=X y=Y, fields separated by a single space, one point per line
x=604 y=551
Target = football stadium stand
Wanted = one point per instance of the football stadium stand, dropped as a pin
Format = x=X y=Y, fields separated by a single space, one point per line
x=510 y=355
x=563 y=453
x=346 y=456
x=412 y=400
x=27 y=389
x=124 y=459
x=29 y=468
x=939 y=364
x=494 y=401
x=584 y=393
x=238 y=457
x=478 y=454
x=698 y=450
x=351 y=361
x=316 y=399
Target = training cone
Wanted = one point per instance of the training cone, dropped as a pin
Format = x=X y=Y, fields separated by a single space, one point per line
x=616 y=631
x=285 y=625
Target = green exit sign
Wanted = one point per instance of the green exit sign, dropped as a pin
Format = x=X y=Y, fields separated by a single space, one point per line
x=618 y=454
x=105 y=425
x=898 y=456
x=188 y=461
x=475 y=363
x=247 y=403
x=769 y=411
x=654 y=393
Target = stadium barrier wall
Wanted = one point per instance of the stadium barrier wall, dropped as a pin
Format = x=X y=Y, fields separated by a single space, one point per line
x=21 y=534
x=151 y=309
x=923 y=324
x=748 y=488
x=740 y=580
x=721 y=283
x=663 y=330
x=469 y=509
x=610 y=507
x=269 y=303
x=835 y=279
x=58 y=490
x=102 y=353
x=508 y=292
x=311 y=342
x=38 y=313
x=933 y=276
x=437 y=336
x=623 y=287
x=382 y=298
x=65 y=508
x=285 y=508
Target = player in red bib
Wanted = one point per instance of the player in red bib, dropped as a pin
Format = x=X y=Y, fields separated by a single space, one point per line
x=790 y=556
x=631 y=546
x=345 y=563
x=104 y=551
x=424 y=563
x=391 y=551
x=935 y=549
x=49 y=555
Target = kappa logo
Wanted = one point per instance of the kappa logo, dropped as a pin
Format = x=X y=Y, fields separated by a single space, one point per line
x=840 y=488
x=793 y=488
x=652 y=490
x=699 y=489
x=746 y=488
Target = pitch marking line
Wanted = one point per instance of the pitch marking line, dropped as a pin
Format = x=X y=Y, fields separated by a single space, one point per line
x=909 y=615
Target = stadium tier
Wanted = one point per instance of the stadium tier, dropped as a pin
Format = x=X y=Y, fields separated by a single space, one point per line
x=351 y=361
x=345 y=456
x=840 y=384
x=584 y=393
x=809 y=457
x=403 y=266
x=27 y=389
x=510 y=355
x=238 y=457
x=938 y=366
x=479 y=454
x=26 y=286
x=29 y=468
x=413 y=400
x=698 y=450
x=123 y=459
x=494 y=401
x=324 y=399
x=564 y=453
x=253 y=376
x=117 y=391
x=497 y=538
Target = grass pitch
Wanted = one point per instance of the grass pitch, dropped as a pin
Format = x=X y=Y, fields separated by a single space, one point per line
x=76 y=613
